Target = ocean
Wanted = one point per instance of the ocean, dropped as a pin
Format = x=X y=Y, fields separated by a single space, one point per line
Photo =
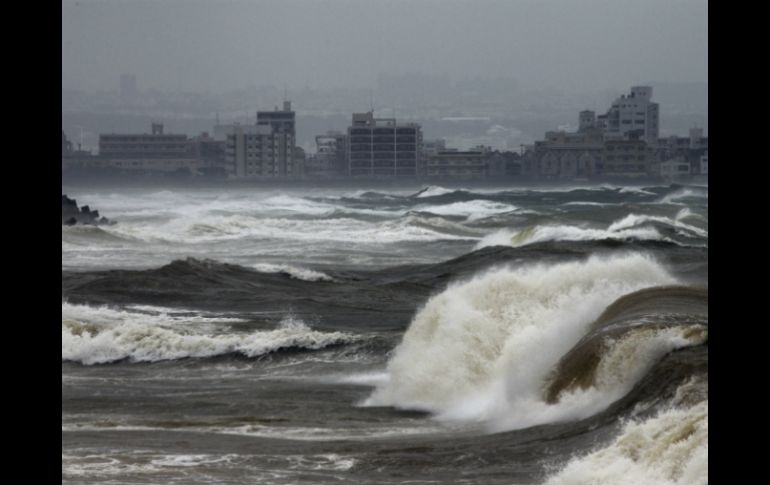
x=410 y=335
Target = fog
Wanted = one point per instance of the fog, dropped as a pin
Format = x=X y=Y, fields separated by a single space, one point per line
x=215 y=46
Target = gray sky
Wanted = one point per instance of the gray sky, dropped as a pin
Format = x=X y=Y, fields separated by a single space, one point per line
x=219 y=45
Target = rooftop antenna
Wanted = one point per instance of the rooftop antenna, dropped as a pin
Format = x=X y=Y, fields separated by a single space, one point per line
x=371 y=101
x=285 y=93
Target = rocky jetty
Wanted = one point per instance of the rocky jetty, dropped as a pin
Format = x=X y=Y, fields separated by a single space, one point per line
x=71 y=214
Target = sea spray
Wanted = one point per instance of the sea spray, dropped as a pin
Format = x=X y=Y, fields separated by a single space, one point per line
x=670 y=448
x=101 y=335
x=482 y=349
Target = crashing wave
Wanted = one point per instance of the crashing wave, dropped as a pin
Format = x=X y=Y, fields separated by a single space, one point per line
x=293 y=272
x=632 y=226
x=471 y=209
x=671 y=448
x=98 y=335
x=484 y=350
x=434 y=191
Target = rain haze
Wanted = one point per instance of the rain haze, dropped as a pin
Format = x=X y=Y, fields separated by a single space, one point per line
x=568 y=45
x=385 y=242
x=529 y=66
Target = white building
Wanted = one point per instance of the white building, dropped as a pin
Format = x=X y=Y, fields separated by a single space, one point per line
x=704 y=164
x=249 y=151
x=634 y=115
x=266 y=149
x=674 y=169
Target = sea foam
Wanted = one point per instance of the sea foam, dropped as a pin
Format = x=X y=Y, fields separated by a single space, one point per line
x=97 y=335
x=670 y=448
x=483 y=349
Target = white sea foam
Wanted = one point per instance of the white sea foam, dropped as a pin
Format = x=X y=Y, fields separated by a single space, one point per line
x=142 y=314
x=670 y=448
x=633 y=220
x=95 y=335
x=293 y=271
x=363 y=378
x=435 y=190
x=482 y=349
x=441 y=225
x=631 y=226
x=472 y=209
x=683 y=193
x=507 y=237
x=636 y=190
x=597 y=204
x=297 y=433
x=216 y=228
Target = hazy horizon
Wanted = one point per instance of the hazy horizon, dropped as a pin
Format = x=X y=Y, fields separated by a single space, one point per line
x=220 y=46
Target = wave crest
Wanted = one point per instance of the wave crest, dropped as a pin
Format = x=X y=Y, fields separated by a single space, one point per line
x=670 y=448
x=481 y=350
x=138 y=337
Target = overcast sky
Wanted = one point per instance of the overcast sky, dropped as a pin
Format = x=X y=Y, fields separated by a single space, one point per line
x=219 y=45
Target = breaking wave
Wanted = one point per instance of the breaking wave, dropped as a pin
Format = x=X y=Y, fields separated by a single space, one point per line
x=684 y=193
x=670 y=448
x=486 y=349
x=434 y=191
x=472 y=209
x=506 y=237
x=98 y=335
x=293 y=271
x=632 y=226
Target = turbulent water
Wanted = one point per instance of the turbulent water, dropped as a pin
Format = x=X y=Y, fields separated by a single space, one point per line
x=552 y=335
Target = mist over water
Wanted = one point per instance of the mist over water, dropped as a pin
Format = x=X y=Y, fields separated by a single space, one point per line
x=431 y=334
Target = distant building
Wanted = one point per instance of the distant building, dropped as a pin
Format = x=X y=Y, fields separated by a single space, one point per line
x=284 y=135
x=249 y=151
x=696 y=134
x=704 y=163
x=674 y=169
x=66 y=145
x=432 y=147
x=298 y=162
x=267 y=149
x=132 y=146
x=627 y=159
x=210 y=151
x=623 y=143
x=688 y=148
x=156 y=151
x=382 y=147
x=634 y=115
x=586 y=120
x=331 y=155
x=455 y=163
x=564 y=155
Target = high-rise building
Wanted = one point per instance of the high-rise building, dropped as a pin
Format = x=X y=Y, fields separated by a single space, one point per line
x=266 y=149
x=383 y=147
x=587 y=120
x=331 y=154
x=634 y=116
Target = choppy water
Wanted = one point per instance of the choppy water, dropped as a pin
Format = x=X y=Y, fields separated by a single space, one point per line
x=423 y=335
